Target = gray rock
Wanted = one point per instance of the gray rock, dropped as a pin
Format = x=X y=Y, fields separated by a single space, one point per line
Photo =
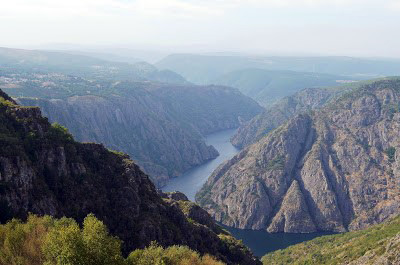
x=293 y=215
x=344 y=159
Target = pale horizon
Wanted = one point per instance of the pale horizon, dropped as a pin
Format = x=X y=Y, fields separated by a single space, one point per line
x=306 y=27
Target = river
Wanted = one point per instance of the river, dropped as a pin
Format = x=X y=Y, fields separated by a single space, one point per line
x=190 y=182
x=259 y=241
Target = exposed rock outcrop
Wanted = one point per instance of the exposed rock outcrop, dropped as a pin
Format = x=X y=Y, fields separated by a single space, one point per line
x=344 y=158
x=44 y=171
x=293 y=215
x=280 y=112
x=176 y=195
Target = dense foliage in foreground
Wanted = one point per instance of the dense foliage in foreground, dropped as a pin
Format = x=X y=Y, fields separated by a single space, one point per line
x=50 y=241
x=379 y=244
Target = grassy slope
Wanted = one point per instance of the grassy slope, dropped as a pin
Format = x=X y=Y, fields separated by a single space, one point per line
x=342 y=248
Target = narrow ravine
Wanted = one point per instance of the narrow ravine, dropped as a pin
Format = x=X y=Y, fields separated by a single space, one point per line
x=259 y=241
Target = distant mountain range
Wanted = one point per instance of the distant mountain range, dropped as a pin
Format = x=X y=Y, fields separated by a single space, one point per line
x=268 y=79
x=203 y=69
x=269 y=86
x=84 y=66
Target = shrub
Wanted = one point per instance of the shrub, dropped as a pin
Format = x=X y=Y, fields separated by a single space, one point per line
x=59 y=133
x=20 y=243
x=277 y=163
x=68 y=244
x=118 y=153
x=6 y=102
x=391 y=152
x=175 y=255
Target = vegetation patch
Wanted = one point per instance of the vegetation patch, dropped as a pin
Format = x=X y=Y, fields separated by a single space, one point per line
x=59 y=133
x=6 y=102
x=118 y=153
x=391 y=153
x=338 y=249
x=392 y=109
x=277 y=163
x=49 y=241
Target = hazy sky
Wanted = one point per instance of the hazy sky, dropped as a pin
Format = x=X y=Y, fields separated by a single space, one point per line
x=344 y=27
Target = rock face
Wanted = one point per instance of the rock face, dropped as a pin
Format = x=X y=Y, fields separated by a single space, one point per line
x=156 y=141
x=335 y=169
x=277 y=114
x=293 y=215
x=44 y=171
x=161 y=126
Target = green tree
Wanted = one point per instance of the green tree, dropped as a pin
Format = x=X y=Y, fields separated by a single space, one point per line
x=64 y=244
x=67 y=244
x=59 y=133
x=101 y=248
x=20 y=243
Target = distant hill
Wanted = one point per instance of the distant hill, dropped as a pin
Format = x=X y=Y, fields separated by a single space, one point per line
x=377 y=245
x=83 y=66
x=203 y=69
x=103 y=55
x=268 y=86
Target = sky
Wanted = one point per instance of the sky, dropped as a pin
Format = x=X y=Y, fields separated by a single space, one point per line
x=316 y=27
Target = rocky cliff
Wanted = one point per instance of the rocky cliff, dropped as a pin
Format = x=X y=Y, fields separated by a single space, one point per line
x=280 y=112
x=161 y=126
x=138 y=126
x=335 y=169
x=44 y=171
